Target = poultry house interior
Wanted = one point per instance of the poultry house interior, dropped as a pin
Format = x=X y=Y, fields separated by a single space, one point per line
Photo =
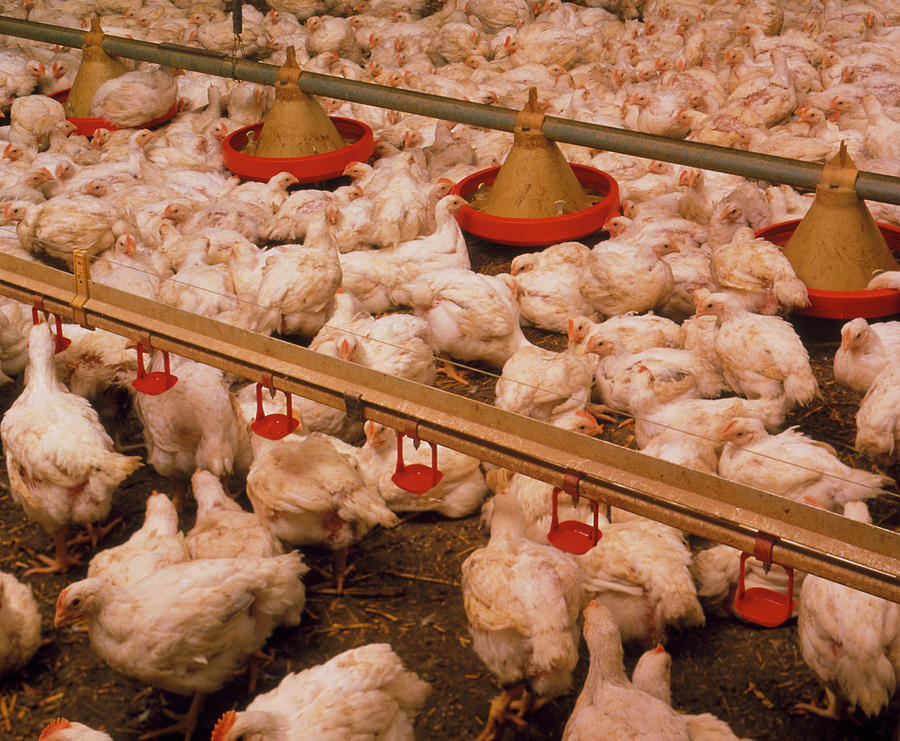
x=657 y=324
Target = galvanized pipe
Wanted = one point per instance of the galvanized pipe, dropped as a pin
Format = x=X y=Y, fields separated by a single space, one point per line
x=799 y=174
x=808 y=538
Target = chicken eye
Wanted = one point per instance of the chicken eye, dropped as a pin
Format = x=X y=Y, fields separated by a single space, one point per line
x=76 y=602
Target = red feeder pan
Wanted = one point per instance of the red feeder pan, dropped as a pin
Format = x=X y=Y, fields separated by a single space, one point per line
x=573 y=536
x=310 y=169
x=273 y=426
x=416 y=478
x=87 y=126
x=544 y=230
x=842 y=304
x=764 y=606
x=155 y=382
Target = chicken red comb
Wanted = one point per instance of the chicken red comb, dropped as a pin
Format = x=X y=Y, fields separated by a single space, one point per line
x=57 y=725
x=659 y=649
x=223 y=725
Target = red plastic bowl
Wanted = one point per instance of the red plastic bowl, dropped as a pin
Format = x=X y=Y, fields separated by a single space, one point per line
x=544 y=230
x=843 y=304
x=310 y=169
x=87 y=126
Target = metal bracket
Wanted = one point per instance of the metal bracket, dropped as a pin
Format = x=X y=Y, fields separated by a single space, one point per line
x=82 y=269
x=571 y=480
x=762 y=549
x=411 y=430
x=353 y=407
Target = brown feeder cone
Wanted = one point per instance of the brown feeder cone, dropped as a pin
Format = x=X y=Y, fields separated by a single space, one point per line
x=96 y=68
x=536 y=180
x=838 y=246
x=296 y=125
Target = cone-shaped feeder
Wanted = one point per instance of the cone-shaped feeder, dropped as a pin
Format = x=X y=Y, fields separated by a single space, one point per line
x=536 y=180
x=296 y=125
x=838 y=246
x=96 y=68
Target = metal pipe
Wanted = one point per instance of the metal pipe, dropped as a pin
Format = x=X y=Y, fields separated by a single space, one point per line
x=799 y=174
x=808 y=538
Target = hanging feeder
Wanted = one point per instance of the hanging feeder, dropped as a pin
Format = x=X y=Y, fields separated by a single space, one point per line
x=154 y=382
x=416 y=478
x=762 y=605
x=96 y=68
x=536 y=197
x=838 y=248
x=297 y=137
x=273 y=426
x=573 y=536
x=60 y=341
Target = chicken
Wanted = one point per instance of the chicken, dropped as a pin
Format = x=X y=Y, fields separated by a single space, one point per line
x=294 y=214
x=379 y=698
x=459 y=492
x=314 y=495
x=224 y=530
x=850 y=640
x=65 y=730
x=758 y=273
x=328 y=33
x=32 y=119
x=877 y=423
x=522 y=601
x=491 y=15
x=218 y=36
x=195 y=424
x=761 y=356
x=157 y=543
x=652 y=674
x=136 y=97
x=472 y=316
x=20 y=624
x=745 y=205
x=609 y=706
x=793 y=465
x=639 y=571
x=623 y=277
x=61 y=464
x=866 y=349
x=299 y=282
x=543 y=384
x=549 y=296
x=632 y=332
x=189 y=626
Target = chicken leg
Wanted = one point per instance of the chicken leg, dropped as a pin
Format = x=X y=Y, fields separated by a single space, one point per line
x=62 y=561
x=186 y=723
x=499 y=715
x=834 y=707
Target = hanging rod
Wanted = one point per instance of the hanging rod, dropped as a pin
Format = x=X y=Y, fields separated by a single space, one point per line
x=797 y=173
x=807 y=538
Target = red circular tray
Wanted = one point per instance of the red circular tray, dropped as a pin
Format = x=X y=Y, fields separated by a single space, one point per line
x=544 y=230
x=842 y=304
x=87 y=126
x=310 y=169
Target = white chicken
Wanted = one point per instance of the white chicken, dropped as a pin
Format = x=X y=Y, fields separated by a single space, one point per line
x=522 y=601
x=851 y=641
x=188 y=627
x=223 y=529
x=866 y=349
x=609 y=706
x=761 y=356
x=793 y=465
x=459 y=492
x=639 y=571
x=156 y=544
x=61 y=463
x=314 y=495
x=32 y=120
x=63 y=729
x=137 y=97
x=877 y=421
x=20 y=624
x=549 y=296
x=379 y=698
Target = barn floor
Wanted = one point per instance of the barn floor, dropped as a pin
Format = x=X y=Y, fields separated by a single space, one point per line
x=405 y=591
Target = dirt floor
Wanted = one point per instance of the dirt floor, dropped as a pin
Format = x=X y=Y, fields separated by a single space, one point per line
x=405 y=590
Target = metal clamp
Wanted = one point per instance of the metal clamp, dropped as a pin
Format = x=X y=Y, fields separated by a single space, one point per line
x=353 y=407
x=82 y=270
x=762 y=549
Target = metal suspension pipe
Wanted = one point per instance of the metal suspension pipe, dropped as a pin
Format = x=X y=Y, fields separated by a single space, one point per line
x=807 y=538
x=799 y=174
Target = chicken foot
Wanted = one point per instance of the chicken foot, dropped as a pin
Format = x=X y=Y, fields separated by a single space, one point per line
x=95 y=533
x=63 y=559
x=500 y=716
x=834 y=707
x=339 y=569
x=450 y=370
x=186 y=723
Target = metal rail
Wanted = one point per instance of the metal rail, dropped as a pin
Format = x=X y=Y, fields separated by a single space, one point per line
x=799 y=174
x=807 y=538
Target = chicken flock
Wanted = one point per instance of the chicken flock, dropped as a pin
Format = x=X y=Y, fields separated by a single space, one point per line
x=677 y=321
